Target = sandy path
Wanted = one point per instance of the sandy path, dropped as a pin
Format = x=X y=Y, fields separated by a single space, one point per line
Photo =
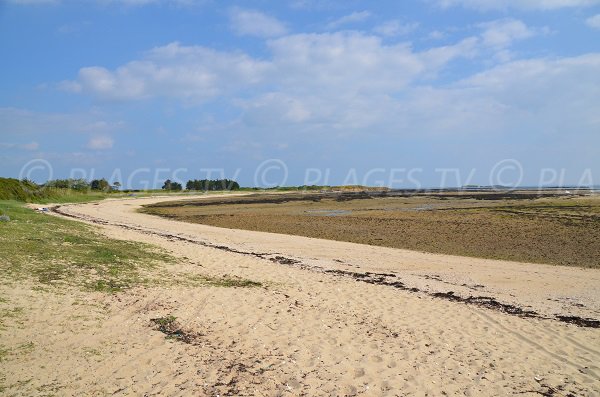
x=314 y=333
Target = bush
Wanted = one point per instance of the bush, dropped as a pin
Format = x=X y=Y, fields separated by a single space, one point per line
x=101 y=185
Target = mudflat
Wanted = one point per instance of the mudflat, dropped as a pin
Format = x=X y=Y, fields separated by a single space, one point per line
x=543 y=227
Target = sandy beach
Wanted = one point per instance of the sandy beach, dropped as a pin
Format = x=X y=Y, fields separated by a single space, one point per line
x=332 y=318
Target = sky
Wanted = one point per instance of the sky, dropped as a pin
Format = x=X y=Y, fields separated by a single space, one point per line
x=416 y=93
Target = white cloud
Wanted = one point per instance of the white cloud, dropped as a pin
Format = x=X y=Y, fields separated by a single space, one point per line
x=349 y=62
x=355 y=17
x=438 y=57
x=341 y=80
x=191 y=73
x=485 y=5
x=554 y=96
x=501 y=33
x=346 y=61
x=395 y=28
x=545 y=100
x=342 y=83
x=593 y=22
x=348 y=83
x=100 y=143
x=255 y=23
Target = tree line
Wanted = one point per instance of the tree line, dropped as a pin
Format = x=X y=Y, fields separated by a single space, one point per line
x=215 y=184
x=202 y=185
x=102 y=185
x=82 y=185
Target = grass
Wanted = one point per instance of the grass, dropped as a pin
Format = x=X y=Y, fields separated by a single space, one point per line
x=54 y=251
x=192 y=280
x=64 y=196
x=10 y=317
x=173 y=331
x=13 y=189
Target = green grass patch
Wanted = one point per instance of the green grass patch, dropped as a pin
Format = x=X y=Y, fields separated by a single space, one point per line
x=164 y=321
x=58 y=252
x=10 y=317
x=197 y=280
x=234 y=282
x=55 y=251
x=173 y=331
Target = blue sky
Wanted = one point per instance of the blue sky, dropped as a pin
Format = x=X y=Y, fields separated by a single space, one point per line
x=357 y=90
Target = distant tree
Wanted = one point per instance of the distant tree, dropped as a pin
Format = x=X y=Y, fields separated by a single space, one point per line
x=117 y=185
x=172 y=186
x=100 y=184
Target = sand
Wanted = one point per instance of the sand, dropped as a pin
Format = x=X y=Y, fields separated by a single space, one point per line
x=308 y=331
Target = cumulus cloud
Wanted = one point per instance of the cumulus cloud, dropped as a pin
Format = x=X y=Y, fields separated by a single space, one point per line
x=350 y=61
x=553 y=100
x=188 y=72
x=351 y=83
x=547 y=96
x=342 y=61
x=255 y=23
x=100 y=143
x=485 y=5
x=593 y=22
